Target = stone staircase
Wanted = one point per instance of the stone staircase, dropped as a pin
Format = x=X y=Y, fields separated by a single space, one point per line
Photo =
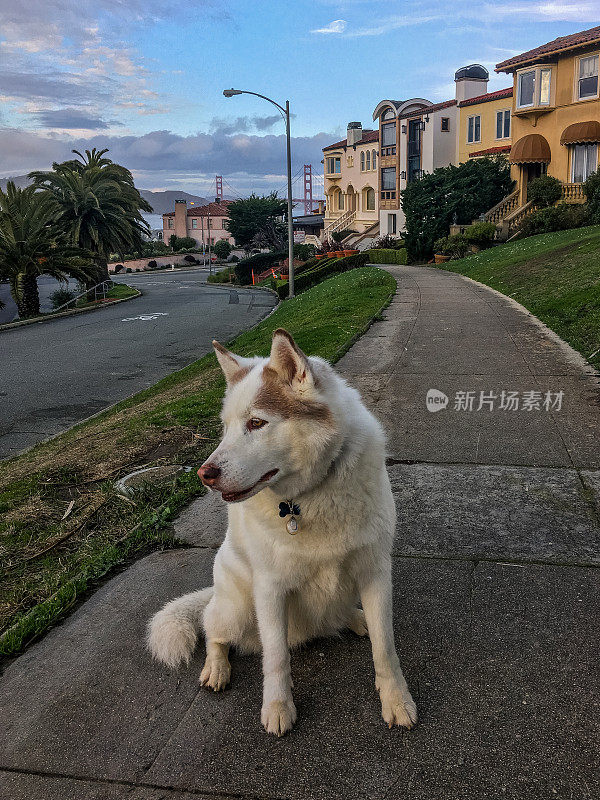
x=363 y=240
x=339 y=223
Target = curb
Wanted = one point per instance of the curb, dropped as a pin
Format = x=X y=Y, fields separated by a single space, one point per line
x=49 y=317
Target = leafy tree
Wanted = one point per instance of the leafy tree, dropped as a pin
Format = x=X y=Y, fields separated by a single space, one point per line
x=592 y=193
x=544 y=191
x=222 y=248
x=273 y=235
x=451 y=193
x=31 y=246
x=177 y=243
x=96 y=205
x=253 y=215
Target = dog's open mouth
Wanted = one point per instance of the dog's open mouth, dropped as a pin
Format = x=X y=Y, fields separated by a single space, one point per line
x=234 y=497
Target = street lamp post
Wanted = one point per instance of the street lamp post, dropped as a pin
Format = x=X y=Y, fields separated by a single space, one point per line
x=285 y=112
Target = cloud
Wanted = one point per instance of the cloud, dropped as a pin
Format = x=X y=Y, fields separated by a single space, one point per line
x=337 y=26
x=72 y=119
x=243 y=124
x=567 y=11
x=161 y=155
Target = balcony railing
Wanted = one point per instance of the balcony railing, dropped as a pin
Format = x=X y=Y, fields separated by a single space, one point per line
x=573 y=193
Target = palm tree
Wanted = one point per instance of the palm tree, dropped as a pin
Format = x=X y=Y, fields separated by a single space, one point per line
x=30 y=247
x=96 y=205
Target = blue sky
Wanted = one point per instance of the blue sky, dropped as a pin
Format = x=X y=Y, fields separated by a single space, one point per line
x=145 y=77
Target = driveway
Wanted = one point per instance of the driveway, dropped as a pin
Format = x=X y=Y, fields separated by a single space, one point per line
x=57 y=373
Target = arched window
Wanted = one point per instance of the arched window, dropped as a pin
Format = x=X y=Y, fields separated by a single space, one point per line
x=362 y=162
x=388 y=114
x=374 y=159
x=340 y=201
x=368 y=159
x=369 y=199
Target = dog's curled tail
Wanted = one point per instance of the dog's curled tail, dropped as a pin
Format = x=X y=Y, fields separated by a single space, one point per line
x=172 y=631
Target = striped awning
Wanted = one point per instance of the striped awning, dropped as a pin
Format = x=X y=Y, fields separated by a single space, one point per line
x=531 y=149
x=581 y=133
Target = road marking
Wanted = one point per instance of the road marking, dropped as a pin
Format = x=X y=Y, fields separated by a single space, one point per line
x=146 y=317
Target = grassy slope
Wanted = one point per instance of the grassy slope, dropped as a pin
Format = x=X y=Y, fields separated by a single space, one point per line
x=556 y=276
x=48 y=561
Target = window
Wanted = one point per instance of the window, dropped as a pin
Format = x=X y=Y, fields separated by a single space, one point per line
x=474 y=129
x=350 y=161
x=587 y=85
x=369 y=200
x=545 y=75
x=389 y=114
x=391 y=223
x=368 y=159
x=526 y=88
x=362 y=162
x=503 y=124
x=388 y=178
x=171 y=225
x=334 y=165
x=445 y=123
x=374 y=159
x=340 y=201
x=584 y=161
x=388 y=134
x=194 y=223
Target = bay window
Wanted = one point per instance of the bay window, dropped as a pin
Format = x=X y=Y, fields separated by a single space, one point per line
x=584 y=161
x=587 y=84
x=334 y=165
x=545 y=75
x=534 y=87
x=526 y=89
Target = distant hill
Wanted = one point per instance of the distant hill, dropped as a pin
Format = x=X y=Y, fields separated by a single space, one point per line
x=20 y=180
x=162 y=202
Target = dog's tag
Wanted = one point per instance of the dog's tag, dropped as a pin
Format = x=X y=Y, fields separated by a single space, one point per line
x=292 y=526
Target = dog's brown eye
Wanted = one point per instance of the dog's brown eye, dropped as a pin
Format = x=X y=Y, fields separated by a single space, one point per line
x=255 y=423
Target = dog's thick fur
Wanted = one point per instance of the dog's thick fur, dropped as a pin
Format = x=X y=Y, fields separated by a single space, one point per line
x=293 y=430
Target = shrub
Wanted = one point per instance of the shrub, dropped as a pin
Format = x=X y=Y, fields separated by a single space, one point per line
x=310 y=264
x=387 y=242
x=556 y=218
x=179 y=243
x=544 y=191
x=304 y=251
x=190 y=259
x=222 y=248
x=387 y=256
x=456 y=246
x=152 y=265
x=258 y=263
x=222 y=276
x=119 y=268
x=233 y=258
x=61 y=296
x=339 y=236
x=128 y=269
x=481 y=233
x=592 y=192
x=330 y=267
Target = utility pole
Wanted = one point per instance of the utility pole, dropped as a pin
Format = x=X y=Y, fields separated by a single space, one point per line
x=209 y=256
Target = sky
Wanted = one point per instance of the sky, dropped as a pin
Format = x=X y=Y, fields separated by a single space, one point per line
x=145 y=77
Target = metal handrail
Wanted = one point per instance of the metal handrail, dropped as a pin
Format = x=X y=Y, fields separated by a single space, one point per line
x=106 y=286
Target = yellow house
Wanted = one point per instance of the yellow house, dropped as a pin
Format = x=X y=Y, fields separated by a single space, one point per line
x=484 y=127
x=351 y=188
x=556 y=113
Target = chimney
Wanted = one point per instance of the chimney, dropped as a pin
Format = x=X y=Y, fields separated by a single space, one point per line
x=180 y=218
x=354 y=133
x=471 y=81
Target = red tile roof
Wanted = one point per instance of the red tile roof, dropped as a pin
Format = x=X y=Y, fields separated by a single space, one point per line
x=368 y=136
x=428 y=109
x=214 y=209
x=491 y=151
x=563 y=43
x=487 y=98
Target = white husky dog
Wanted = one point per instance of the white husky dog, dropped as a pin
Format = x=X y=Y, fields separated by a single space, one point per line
x=311 y=524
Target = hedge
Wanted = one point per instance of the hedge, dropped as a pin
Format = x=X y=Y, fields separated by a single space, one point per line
x=383 y=256
x=259 y=263
x=332 y=266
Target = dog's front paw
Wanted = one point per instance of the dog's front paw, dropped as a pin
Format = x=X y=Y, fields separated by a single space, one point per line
x=278 y=716
x=216 y=673
x=397 y=706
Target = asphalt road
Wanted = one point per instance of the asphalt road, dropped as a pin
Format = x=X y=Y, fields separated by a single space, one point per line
x=54 y=374
x=46 y=286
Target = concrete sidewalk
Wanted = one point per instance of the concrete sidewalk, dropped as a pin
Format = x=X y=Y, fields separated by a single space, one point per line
x=496 y=604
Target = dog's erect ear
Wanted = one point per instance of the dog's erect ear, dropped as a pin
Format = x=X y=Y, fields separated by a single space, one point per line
x=289 y=361
x=234 y=367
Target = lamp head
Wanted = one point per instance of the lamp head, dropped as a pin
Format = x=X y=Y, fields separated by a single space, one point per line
x=231 y=92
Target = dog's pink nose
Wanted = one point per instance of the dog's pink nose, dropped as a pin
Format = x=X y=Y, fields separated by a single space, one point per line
x=209 y=474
